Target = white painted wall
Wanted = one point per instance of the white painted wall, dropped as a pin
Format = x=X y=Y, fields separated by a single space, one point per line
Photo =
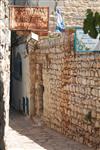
x=21 y=88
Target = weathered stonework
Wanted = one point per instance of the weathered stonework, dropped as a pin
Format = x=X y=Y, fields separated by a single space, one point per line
x=65 y=85
x=4 y=70
x=71 y=97
x=71 y=80
x=74 y=10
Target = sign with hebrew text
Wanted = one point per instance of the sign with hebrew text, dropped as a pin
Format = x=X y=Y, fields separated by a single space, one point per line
x=34 y=19
x=83 y=42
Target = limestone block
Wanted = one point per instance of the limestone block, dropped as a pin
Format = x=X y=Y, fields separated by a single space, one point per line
x=97 y=124
x=93 y=114
x=98 y=116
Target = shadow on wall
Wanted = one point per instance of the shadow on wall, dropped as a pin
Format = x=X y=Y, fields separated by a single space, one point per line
x=2 y=120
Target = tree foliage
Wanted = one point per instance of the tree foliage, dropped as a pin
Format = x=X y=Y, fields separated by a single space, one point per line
x=91 y=25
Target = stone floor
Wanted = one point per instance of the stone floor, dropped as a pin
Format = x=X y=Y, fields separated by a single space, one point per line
x=24 y=135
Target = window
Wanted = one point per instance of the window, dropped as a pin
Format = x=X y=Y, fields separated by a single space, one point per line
x=17 y=67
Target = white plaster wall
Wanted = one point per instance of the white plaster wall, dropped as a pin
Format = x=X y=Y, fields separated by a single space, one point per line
x=22 y=88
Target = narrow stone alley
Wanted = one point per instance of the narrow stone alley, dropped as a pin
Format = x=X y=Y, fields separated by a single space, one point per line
x=24 y=135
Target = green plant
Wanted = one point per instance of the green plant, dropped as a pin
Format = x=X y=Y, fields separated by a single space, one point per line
x=88 y=117
x=91 y=25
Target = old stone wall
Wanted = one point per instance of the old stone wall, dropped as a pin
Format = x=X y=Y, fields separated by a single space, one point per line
x=74 y=10
x=4 y=69
x=71 y=80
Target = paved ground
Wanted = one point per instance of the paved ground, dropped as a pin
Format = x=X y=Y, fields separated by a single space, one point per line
x=24 y=135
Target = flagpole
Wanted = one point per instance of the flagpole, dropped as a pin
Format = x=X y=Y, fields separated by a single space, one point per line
x=56 y=3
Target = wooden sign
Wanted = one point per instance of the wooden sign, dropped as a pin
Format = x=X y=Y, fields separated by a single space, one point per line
x=34 y=19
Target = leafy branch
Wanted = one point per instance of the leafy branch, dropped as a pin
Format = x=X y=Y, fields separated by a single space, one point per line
x=91 y=25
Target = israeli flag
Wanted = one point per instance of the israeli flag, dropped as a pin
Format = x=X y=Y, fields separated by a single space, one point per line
x=60 y=23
